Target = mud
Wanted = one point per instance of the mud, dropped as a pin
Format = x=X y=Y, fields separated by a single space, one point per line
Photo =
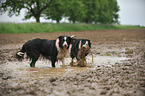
x=118 y=68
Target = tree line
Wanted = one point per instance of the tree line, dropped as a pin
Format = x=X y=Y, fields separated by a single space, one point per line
x=86 y=11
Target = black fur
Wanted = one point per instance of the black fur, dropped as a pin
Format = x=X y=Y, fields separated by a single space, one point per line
x=47 y=48
x=75 y=48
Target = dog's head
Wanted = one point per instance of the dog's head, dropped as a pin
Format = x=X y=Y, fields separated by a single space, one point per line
x=64 y=41
x=85 y=44
x=20 y=55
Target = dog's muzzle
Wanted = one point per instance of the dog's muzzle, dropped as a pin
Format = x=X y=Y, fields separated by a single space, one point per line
x=65 y=46
x=85 y=47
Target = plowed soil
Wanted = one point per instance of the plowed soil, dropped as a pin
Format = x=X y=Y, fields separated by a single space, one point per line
x=126 y=78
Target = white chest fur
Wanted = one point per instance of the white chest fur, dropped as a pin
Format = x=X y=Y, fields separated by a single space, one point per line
x=61 y=52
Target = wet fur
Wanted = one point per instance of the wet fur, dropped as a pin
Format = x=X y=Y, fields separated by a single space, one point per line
x=77 y=51
x=50 y=49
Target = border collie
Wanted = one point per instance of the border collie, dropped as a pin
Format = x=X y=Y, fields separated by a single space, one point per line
x=52 y=49
x=79 y=50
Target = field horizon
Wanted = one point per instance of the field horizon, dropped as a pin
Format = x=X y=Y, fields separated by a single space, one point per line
x=61 y=27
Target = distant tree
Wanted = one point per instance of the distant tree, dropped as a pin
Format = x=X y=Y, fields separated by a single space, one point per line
x=108 y=11
x=74 y=9
x=88 y=11
x=115 y=9
x=55 y=11
x=34 y=7
x=91 y=11
x=101 y=11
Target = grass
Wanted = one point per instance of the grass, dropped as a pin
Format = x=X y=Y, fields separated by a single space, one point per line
x=62 y=27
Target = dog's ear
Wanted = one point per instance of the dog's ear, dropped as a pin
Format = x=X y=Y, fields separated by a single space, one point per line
x=72 y=39
x=59 y=37
x=89 y=43
x=72 y=36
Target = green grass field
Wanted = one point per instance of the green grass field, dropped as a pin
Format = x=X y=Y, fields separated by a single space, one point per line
x=62 y=27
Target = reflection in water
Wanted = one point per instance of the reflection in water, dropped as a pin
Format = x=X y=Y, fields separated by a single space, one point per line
x=22 y=73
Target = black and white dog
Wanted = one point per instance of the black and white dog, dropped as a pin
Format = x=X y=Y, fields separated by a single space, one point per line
x=79 y=50
x=52 y=49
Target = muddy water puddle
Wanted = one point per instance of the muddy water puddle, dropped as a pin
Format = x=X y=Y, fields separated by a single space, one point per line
x=21 y=73
x=106 y=60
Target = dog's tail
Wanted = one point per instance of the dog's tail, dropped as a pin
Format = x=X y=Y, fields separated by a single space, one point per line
x=20 y=54
x=72 y=36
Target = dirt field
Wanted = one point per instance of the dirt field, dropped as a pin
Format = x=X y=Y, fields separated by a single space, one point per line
x=125 y=78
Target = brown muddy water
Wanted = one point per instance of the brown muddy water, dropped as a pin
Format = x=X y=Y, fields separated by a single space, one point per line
x=23 y=73
x=117 y=69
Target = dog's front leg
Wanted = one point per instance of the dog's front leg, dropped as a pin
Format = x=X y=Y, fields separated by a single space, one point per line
x=63 y=64
x=71 y=63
